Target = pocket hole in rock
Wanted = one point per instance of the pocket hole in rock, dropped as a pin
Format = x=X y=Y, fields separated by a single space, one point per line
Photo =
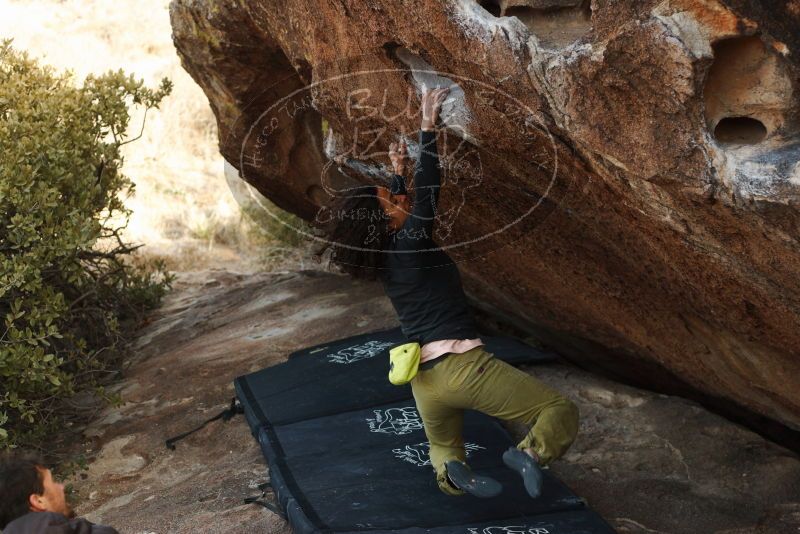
x=740 y=130
x=556 y=23
x=747 y=91
x=492 y=6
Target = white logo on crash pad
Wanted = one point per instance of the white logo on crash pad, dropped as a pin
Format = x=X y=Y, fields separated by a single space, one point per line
x=419 y=453
x=509 y=530
x=359 y=352
x=397 y=421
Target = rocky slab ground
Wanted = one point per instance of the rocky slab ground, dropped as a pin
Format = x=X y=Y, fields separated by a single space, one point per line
x=649 y=463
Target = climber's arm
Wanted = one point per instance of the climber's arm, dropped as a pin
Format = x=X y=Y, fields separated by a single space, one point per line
x=427 y=182
x=427 y=179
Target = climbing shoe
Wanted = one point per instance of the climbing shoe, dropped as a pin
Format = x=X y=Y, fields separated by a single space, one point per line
x=527 y=467
x=464 y=479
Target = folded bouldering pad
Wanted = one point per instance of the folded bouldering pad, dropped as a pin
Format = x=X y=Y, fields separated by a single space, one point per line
x=347 y=450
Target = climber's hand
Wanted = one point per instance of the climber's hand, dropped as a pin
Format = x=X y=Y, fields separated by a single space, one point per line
x=432 y=100
x=398 y=153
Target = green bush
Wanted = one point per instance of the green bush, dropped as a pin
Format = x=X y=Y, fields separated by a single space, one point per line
x=67 y=296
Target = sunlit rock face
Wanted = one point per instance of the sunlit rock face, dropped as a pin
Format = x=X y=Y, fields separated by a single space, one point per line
x=621 y=178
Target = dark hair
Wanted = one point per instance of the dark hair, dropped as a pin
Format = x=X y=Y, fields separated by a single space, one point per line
x=20 y=477
x=357 y=232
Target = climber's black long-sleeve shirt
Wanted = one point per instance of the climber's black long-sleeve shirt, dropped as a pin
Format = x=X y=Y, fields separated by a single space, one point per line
x=421 y=280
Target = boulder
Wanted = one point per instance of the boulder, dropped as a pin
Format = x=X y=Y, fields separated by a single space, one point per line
x=620 y=178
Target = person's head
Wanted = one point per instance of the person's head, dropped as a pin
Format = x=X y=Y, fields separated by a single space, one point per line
x=358 y=226
x=396 y=206
x=27 y=485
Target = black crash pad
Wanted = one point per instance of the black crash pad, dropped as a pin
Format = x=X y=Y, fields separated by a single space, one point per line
x=349 y=454
x=383 y=450
x=367 y=345
x=356 y=368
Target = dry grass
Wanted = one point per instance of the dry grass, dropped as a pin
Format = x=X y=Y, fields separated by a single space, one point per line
x=183 y=209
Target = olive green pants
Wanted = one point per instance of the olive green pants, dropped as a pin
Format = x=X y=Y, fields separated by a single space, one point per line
x=477 y=380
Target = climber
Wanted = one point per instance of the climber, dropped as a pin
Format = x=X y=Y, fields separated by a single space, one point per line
x=387 y=240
